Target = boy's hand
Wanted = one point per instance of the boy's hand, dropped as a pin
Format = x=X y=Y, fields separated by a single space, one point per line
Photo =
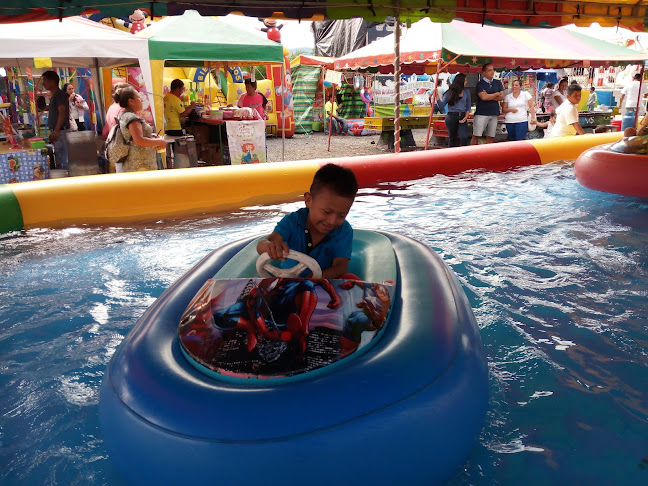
x=278 y=250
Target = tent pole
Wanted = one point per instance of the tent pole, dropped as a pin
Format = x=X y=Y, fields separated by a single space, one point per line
x=434 y=93
x=99 y=92
x=638 y=96
x=330 y=117
x=397 y=76
x=283 y=120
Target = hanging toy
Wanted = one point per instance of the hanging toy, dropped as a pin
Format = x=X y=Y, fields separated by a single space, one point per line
x=9 y=134
x=271 y=28
x=358 y=82
x=135 y=21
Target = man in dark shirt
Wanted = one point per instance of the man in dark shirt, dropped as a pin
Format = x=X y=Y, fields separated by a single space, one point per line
x=489 y=94
x=58 y=118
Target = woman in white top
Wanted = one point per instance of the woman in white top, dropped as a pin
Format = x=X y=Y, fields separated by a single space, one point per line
x=516 y=108
x=78 y=106
x=560 y=94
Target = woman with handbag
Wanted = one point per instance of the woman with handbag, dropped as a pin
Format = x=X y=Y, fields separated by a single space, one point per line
x=137 y=133
x=459 y=104
x=517 y=106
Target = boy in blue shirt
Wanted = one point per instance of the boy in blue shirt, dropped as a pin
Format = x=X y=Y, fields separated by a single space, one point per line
x=319 y=230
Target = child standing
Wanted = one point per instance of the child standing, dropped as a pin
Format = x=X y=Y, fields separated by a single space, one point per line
x=592 y=101
x=319 y=230
x=567 y=114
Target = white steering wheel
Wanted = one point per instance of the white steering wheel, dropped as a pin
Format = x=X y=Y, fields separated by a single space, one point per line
x=266 y=270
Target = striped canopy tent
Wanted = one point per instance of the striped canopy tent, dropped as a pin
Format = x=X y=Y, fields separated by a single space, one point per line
x=306 y=72
x=468 y=46
x=627 y=13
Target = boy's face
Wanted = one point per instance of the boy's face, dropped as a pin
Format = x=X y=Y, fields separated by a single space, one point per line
x=327 y=210
x=575 y=97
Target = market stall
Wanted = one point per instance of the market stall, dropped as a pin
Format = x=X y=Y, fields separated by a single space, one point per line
x=459 y=47
x=308 y=92
x=74 y=42
x=190 y=40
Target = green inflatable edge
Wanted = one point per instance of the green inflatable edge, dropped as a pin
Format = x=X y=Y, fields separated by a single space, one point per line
x=11 y=218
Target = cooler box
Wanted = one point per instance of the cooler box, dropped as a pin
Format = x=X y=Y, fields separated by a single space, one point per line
x=82 y=153
x=184 y=152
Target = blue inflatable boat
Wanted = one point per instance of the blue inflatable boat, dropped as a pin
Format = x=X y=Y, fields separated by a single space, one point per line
x=230 y=378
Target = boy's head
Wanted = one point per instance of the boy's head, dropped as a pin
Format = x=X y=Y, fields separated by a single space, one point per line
x=330 y=198
x=574 y=93
x=592 y=89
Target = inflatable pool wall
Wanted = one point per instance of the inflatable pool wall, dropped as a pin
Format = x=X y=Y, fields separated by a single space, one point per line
x=147 y=196
x=408 y=411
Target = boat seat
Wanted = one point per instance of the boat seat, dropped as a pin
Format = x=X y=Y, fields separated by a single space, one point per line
x=372 y=259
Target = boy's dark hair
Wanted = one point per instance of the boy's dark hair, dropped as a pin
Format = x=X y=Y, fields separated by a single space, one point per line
x=592 y=88
x=340 y=180
x=176 y=83
x=637 y=76
x=249 y=81
x=572 y=88
x=52 y=76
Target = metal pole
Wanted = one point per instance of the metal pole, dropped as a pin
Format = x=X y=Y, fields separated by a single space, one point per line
x=397 y=76
x=434 y=93
x=330 y=117
x=638 y=96
x=283 y=109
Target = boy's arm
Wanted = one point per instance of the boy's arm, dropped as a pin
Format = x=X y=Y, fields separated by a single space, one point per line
x=339 y=267
x=273 y=245
x=578 y=128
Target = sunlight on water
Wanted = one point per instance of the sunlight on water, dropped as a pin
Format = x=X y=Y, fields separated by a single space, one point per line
x=556 y=275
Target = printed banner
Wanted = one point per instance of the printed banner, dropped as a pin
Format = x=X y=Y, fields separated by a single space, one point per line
x=136 y=80
x=334 y=77
x=246 y=141
x=276 y=327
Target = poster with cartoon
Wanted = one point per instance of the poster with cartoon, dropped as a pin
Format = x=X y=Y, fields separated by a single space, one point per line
x=246 y=140
x=276 y=327
x=136 y=80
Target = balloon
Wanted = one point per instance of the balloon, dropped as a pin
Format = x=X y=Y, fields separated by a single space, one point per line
x=327 y=84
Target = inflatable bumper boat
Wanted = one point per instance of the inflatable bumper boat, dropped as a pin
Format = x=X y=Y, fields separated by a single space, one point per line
x=232 y=378
x=601 y=169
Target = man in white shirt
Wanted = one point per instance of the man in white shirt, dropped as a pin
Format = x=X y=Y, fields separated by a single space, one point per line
x=567 y=115
x=630 y=93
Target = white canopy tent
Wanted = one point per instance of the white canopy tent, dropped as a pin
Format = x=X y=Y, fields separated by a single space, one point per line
x=74 y=42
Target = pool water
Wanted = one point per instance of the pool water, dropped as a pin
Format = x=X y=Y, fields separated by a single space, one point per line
x=556 y=274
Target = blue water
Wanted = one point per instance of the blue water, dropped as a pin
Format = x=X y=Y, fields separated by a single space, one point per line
x=556 y=274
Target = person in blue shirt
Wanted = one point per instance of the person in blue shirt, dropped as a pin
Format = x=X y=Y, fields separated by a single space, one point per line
x=490 y=92
x=319 y=230
x=458 y=100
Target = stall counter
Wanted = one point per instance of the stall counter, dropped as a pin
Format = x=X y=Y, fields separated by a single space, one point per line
x=23 y=164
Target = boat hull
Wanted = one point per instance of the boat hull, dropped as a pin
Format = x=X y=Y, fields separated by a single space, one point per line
x=408 y=411
x=602 y=170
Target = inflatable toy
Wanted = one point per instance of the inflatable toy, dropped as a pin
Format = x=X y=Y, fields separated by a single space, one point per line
x=603 y=170
x=367 y=97
x=66 y=201
x=233 y=379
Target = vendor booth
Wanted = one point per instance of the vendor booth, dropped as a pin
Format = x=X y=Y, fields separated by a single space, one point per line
x=457 y=46
x=190 y=40
x=308 y=92
x=74 y=43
